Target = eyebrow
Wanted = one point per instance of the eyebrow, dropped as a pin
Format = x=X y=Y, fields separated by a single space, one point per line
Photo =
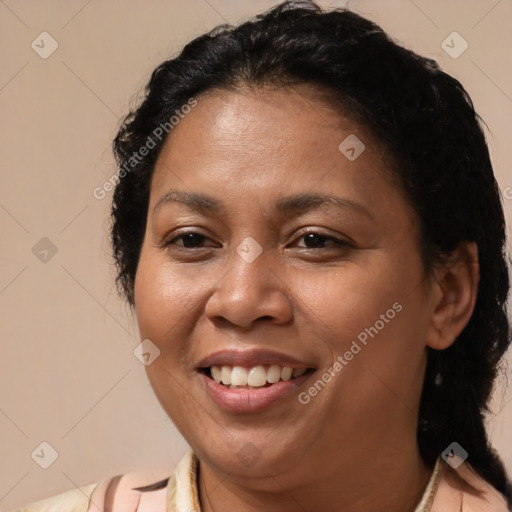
x=292 y=204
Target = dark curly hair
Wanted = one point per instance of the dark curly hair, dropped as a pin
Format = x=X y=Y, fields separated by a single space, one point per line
x=427 y=121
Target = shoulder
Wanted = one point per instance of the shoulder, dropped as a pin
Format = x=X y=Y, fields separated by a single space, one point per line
x=463 y=489
x=76 y=500
x=129 y=492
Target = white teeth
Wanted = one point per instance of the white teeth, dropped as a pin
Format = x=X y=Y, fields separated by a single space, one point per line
x=286 y=373
x=274 y=374
x=225 y=375
x=257 y=376
x=249 y=378
x=239 y=376
x=216 y=374
x=298 y=372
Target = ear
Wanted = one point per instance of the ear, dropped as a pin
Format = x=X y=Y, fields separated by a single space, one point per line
x=453 y=295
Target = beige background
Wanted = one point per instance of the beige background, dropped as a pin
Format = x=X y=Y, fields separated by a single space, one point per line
x=67 y=370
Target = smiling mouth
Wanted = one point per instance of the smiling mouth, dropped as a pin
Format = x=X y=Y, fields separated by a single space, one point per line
x=255 y=377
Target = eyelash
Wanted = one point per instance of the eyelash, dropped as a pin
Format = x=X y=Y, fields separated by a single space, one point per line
x=336 y=241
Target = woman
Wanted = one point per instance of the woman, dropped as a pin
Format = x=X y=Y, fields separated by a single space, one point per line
x=308 y=227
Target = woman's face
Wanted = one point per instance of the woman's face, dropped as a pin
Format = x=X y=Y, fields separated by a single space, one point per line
x=303 y=255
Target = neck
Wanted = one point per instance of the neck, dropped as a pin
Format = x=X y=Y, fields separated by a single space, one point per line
x=358 y=484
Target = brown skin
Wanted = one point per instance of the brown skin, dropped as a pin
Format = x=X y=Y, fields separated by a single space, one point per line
x=356 y=439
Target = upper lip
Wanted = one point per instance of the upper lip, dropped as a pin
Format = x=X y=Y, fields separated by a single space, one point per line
x=250 y=358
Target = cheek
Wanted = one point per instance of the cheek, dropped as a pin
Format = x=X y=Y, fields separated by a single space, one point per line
x=369 y=314
x=341 y=303
x=161 y=292
x=371 y=317
x=163 y=305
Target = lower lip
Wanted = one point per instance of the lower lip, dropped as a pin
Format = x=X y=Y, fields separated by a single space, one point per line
x=251 y=400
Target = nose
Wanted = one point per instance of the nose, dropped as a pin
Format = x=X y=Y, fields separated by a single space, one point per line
x=251 y=291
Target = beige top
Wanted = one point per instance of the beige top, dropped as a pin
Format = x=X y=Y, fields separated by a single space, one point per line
x=449 y=490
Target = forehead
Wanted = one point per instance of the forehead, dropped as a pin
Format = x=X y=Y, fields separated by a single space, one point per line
x=269 y=141
x=271 y=114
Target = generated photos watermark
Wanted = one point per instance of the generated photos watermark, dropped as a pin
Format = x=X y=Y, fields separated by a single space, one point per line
x=151 y=142
x=355 y=348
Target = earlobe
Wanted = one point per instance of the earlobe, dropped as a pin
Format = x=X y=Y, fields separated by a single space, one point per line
x=453 y=295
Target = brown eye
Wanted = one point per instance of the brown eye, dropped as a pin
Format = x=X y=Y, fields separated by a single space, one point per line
x=317 y=240
x=190 y=240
